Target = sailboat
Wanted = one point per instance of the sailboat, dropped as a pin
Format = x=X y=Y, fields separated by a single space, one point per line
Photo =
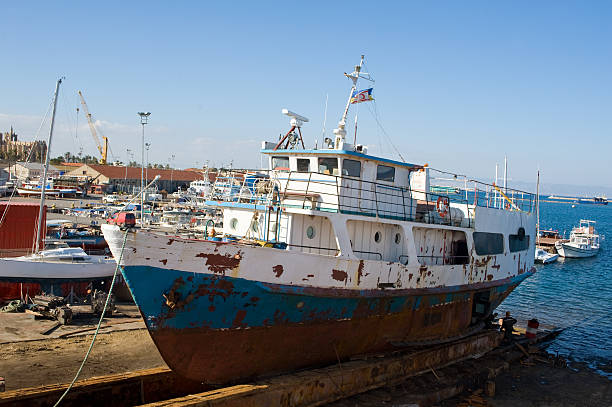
x=541 y=255
x=59 y=265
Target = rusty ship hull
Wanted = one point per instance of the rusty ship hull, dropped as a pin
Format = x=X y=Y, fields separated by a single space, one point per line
x=213 y=322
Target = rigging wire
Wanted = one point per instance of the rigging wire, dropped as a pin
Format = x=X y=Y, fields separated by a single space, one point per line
x=374 y=113
x=93 y=340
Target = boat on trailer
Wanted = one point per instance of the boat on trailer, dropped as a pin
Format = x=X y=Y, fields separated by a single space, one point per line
x=335 y=253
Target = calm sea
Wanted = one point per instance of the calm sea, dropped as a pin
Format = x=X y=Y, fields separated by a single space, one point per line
x=575 y=294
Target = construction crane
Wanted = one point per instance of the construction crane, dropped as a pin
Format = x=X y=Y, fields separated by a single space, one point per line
x=103 y=149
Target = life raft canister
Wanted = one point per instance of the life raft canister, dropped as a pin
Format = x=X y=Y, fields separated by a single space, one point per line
x=442 y=206
x=532 y=328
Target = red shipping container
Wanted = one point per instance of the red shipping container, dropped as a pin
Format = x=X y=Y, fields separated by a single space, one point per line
x=18 y=230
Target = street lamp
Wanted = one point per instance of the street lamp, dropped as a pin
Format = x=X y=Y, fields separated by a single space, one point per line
x=171 y=159
x=127 y=161
x=147 y=145
x=144 y=119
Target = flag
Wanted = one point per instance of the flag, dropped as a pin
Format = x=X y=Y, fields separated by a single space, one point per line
x=359 y=96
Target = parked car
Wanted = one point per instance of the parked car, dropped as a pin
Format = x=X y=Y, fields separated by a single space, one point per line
x=126 y=219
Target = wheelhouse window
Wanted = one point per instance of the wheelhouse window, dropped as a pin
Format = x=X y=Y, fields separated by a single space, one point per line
x=518 y=242
x=385 y=173
x=351 y=168
x=303 y=165
x=280 y=163
x=488 y=243
x=328 y=166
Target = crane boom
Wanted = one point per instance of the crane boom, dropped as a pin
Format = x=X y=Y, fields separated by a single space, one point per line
x=103 y=150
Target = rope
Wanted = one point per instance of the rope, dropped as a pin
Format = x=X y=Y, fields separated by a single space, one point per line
x=374 y=113
x=93 y=340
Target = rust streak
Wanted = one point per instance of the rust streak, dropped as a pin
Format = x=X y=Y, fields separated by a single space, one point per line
x=164 y=261
x=360 y=271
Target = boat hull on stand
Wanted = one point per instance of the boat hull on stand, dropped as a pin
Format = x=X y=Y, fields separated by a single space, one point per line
x=227 y=312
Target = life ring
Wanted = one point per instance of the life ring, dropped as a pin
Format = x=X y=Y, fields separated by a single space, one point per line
x=442 y=206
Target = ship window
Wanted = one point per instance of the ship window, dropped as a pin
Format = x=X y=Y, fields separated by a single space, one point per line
x=488 y=243
x=518 y=242
x=351 y=168
x=328 y=166
x=303 y=164
x=280 y=163
x=385 y=173
x=377 y=237
x=310 y=232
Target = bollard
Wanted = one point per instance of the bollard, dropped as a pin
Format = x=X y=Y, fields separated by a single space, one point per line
x=532 y=329
x=2 y=387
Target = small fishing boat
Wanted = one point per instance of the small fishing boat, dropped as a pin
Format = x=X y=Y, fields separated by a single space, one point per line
x=583 y=242
x=542 y=256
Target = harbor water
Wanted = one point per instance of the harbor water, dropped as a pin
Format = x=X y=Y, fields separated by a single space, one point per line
x=575 y=294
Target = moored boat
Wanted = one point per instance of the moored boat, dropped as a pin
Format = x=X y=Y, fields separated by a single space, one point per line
x=583 y=242
x=542 y=256
x=334 y=253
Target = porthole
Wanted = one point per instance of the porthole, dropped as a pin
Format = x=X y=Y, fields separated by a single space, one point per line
x=233 y=223
x=310 y=232
x=398 y=238
x=377 y=237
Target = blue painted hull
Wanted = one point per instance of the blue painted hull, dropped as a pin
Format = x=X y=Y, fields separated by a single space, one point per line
x=221 y=329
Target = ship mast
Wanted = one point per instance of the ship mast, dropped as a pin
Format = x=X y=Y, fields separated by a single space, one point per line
x=46 y=169
x=354 y=76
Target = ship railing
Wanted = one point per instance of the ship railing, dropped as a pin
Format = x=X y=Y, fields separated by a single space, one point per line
x=348 y=195
x=482 y=194
x=328 y=250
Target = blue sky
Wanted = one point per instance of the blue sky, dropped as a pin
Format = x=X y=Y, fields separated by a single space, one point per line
x=458 y=84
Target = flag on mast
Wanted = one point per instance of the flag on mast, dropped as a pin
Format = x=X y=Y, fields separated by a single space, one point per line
x=359 y=96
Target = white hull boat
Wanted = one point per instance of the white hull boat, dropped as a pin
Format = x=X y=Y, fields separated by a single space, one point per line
x=584 y=242
x=542 y=256
x=64 y=264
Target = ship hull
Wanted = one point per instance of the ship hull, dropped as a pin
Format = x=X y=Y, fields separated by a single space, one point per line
x=570 y=251
x=221 y=329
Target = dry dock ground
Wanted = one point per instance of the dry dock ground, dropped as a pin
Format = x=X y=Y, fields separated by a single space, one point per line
x=28 y=360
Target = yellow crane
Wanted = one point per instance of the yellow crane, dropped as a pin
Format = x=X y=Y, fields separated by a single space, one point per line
x=102 y=149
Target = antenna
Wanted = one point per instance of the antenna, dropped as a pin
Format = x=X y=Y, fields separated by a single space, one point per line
x=324 y=120
x=354 y=76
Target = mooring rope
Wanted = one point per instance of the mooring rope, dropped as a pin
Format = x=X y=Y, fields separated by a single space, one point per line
x=99 y=322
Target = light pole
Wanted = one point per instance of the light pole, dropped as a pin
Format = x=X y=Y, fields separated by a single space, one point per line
x=147 y=145
x=171 y=170
x=127 y=161
x=144 y=119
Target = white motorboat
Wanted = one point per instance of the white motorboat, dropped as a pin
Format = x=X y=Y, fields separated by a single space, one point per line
x=542 y=256
x=584 y=241
x=63 y=264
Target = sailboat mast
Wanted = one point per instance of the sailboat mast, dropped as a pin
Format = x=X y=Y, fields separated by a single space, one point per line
x=538 y=210
x=46 y=169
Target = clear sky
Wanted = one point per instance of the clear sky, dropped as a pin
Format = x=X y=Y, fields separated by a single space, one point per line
x=458 y=84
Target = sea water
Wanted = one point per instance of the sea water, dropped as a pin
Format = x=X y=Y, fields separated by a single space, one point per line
x=574 y=294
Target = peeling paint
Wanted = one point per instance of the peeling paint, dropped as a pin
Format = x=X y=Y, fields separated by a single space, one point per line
x=339 y=275
x=278 y=270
